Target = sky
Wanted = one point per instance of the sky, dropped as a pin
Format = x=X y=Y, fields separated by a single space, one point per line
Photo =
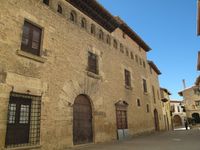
x=169 y=28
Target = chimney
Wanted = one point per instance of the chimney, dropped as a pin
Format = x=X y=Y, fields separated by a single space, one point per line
x=184 y=85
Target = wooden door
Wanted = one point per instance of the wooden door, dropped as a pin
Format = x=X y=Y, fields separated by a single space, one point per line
x=18 y=125
x=156 y=120
x=82 y=121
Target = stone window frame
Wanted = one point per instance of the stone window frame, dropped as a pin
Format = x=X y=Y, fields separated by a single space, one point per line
x=115 y=44
x=127 y=79
x=84 y=23
x=108 y=39
x=147 y=108
x=132 y=55
x=138 y=102
x=59 y=9
x=73 y=16
x=127 y=52
x=121 y=48
x=101 y=35
x=144 y=86
x=24 y=53
x=144 y=64
x=93 y=29
x=90 y=63
x=136 y=58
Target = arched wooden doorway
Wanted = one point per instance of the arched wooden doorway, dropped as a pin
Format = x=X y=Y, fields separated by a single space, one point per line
x=177 y=121
x=82 y=121
x=156 y=120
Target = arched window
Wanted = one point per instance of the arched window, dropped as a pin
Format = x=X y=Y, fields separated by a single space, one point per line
x=93 y=29
x=83 y=23
x=59 y=9
x=73 y=16
x=132 y=56
x=108 y=41
x=127 y=52
x=100 y=34
x=115 y=44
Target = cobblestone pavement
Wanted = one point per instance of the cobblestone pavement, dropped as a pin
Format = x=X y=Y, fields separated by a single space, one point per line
x=173 y=140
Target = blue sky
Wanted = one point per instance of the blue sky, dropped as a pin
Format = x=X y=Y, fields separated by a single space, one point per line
x=169 y=28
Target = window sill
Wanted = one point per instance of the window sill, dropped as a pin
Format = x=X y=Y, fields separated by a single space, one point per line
x=31 y=56
x=93 y=75
x=24 y=148
x=128 y=87
x=146 y=93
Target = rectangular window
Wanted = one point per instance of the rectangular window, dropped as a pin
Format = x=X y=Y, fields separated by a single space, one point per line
x=23 y=125
x=31 y=38
x=127 y=75
x=144 y=85
x=148 y=110
x=138 y=102
x=92 y=63
x=144 y=64
x=197 y=103
x=154 y=95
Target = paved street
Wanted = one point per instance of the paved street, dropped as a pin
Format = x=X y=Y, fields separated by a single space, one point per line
x=173 y=140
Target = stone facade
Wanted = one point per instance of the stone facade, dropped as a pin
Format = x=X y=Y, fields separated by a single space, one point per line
x=178 y=113
x=59 y=74
x=192 y=102
x=166 y=108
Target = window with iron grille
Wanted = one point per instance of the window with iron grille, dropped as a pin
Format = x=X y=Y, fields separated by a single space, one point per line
x=144 y=85
x=31 y=38
x=93 y=63
x=23 y=125
x=127 y=75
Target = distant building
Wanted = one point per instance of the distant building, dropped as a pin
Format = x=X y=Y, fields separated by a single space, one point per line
x=178 y=113
x=166 y=108
x=191 y=97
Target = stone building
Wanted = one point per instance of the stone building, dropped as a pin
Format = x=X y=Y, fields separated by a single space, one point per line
x=166 y=108
x=71 y=74
x=178 y=113
x=191 y=99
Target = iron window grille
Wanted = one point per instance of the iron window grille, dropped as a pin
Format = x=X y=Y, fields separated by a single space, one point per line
x=92 y=63
x=27 y=114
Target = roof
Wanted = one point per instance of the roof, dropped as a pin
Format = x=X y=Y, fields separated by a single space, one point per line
x=98 y=13
x=151 y=63
x=181 y=92
x=198 y=17
x=166 y=90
